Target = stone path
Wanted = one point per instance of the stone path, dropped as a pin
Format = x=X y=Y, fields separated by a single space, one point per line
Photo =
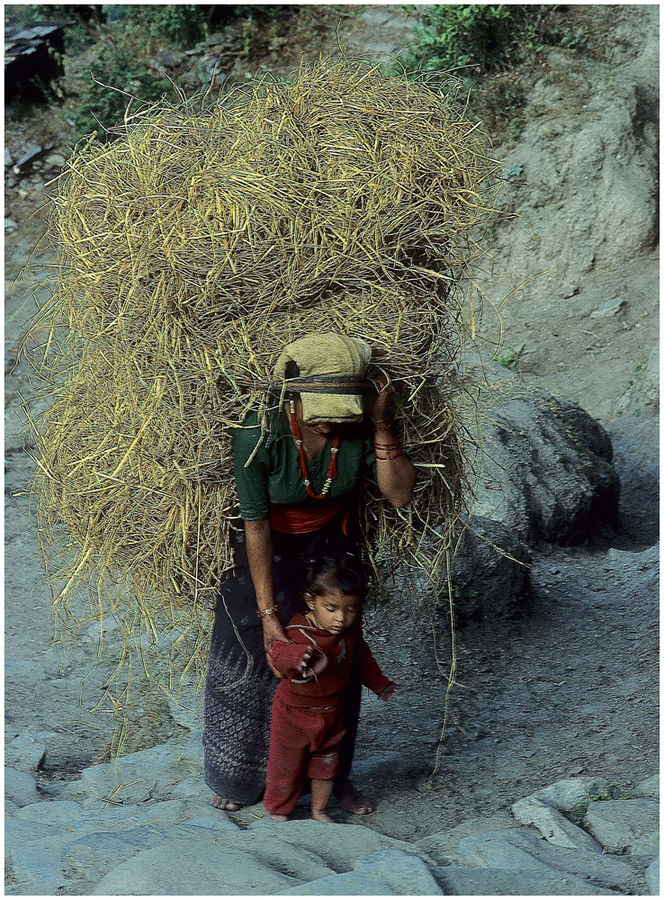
x=141 y=824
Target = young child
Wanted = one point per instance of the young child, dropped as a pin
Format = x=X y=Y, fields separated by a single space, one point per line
x=325 y=649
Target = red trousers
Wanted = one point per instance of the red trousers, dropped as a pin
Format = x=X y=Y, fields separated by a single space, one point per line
x=303 y=742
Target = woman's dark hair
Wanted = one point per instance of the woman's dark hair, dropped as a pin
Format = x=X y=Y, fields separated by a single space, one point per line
x=345 y=573
x=292 y=371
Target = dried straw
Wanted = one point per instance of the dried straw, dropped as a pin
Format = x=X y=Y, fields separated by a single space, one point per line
x=193 y=247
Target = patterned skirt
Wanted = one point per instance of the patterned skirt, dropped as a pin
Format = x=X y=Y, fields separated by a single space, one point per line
x=239 y=686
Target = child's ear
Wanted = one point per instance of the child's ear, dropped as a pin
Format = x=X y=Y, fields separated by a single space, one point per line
x=309 y=599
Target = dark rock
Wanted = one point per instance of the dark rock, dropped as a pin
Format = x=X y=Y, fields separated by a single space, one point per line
x=170 y=59
x=33 y=58
x=29 y=157
x=490 y=571
x=544 y=468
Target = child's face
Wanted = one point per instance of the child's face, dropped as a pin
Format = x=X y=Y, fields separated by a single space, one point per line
x=332 y=610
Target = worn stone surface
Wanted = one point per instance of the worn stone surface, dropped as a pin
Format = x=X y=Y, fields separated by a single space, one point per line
x=25 y=753
x=54 y=812
x=346 y=884
x=139 y=776
x=491 y=882
x=443 y=846
x=517 y=849
x=553 y=826
x=652 y=877
x=20 y=787
x=649 y=787
x=192 y=867
x=625 y=826
x=36 y=866
x=608 y=308
x=384 y=872
x=572 y=796
x=169 y=812
x=94 y=854
x=174 y=846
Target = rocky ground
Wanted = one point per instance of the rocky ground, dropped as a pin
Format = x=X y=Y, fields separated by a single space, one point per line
x=545 y=781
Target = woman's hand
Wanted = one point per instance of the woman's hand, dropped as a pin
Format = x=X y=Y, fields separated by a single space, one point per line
x=272 y=631
x=380 y=404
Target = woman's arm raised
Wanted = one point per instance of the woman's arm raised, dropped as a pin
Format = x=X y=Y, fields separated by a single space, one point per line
x=396 y=479
x=395 y=473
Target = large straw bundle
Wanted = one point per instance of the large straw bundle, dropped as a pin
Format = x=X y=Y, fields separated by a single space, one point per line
x=193 y=247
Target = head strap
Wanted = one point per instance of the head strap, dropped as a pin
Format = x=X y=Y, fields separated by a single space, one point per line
x=330 y=384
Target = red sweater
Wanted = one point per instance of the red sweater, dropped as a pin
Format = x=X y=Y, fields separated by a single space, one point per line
x=338 y=659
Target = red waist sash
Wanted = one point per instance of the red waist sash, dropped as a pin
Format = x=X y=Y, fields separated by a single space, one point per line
x=302 y=520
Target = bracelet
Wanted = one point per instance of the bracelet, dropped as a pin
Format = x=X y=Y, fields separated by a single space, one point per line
x=393 y=446
x=382 y=424
x=268 y=611
x=387 y=458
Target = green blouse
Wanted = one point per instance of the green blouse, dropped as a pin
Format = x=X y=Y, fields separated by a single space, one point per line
x=273 y=475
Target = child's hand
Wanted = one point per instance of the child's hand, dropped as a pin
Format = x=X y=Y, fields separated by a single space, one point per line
x=305 y=671
x=312 y=664
x=387 y=692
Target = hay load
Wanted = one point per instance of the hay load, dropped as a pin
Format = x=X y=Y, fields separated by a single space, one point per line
x=195 y=245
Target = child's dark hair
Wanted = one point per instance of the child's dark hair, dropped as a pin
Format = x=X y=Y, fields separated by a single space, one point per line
x=345 y=573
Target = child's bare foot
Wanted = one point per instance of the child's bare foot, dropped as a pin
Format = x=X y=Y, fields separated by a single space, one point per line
x=321 y=816
x=277 y=818
x=321 y=791
x=222 y=803
x=353 y=802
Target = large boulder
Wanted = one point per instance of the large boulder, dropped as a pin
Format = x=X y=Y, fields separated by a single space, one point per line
x=544 y=466
x=490 y=571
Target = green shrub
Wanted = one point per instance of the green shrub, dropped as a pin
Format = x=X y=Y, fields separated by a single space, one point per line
x=117 y=67
x=483 y=37
x=461 y=35
x=181 y=25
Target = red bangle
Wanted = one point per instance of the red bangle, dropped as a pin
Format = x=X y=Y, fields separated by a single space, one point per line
x=387 y=458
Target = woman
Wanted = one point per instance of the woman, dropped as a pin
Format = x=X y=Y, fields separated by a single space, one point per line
x=297 y=486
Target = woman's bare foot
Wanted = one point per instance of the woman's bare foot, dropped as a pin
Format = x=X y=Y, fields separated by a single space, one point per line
x=279 y=818
x=221 y=803
x=321 y=816
x=353 y=802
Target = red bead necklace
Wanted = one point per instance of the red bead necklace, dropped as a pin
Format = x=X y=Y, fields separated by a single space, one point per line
x=332 y=470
